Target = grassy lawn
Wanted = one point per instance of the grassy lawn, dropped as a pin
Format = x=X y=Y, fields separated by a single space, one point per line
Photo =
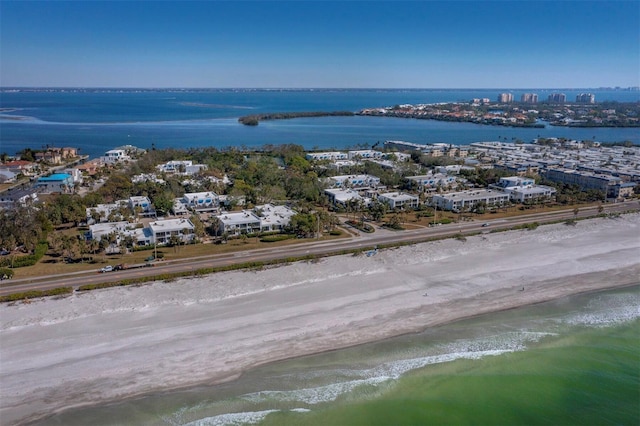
x=49 y=265
x=55 y=265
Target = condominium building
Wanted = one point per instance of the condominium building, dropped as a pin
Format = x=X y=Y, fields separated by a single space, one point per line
x=505 y=97
x=529 y=98
x=557 y=98
x=468 y=200
x=586 y=98
x=354 y=181
x=163 y=231
x=433 y=181
x=585 y=180
x=398 y=200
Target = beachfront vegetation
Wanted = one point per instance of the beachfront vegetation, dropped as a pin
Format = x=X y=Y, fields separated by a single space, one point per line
x=276 y=174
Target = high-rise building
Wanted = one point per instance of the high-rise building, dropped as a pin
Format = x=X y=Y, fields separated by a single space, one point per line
x=586 y=98
x=557 y=98
x=505 y=98
x=529 y=98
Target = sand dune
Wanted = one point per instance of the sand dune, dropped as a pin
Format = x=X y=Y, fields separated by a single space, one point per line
x=110 y=344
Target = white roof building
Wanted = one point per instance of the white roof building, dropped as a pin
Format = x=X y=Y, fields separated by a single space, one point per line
x=105 y=210
x=354 y=181
x=365 y=154
x=115 y=156
x=244 y=222
x=18 y=197
x=151 y=177
x=120 y=230
x=201 y=201
x=7 y=176
x=182 y=167
x=467 y=200
x=397 y=200
x=432 y=181
x=343 y=196
x=273 y=218
x=514 y=181
x=522 y=194
x=333 y=155
x=142 y=202
x=163 y=230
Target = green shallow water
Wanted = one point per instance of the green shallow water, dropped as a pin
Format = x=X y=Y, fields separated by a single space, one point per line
x=590 y=377
x=574 y=361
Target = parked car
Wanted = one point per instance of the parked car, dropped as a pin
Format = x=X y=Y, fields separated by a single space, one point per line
x=107 y=268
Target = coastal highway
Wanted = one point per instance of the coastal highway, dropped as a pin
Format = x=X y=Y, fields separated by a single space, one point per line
x=319 y=248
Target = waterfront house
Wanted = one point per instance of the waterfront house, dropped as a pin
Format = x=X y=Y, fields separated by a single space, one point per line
x=26 y=168
x=114 y=156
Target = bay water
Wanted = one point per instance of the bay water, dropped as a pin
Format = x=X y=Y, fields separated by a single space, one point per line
x=572 y=361
x=96 y=121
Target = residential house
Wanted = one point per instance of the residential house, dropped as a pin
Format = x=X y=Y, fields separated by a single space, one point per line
x=15 y=196
x=181 y=167
x=7 y=176
x=26 y=168
x=49 y=156
x=114 y=156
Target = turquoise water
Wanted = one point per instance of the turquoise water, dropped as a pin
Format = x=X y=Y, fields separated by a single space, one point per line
x=570 y=361
x=96 y=122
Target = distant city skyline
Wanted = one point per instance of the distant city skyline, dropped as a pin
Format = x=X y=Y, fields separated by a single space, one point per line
x=315 y=44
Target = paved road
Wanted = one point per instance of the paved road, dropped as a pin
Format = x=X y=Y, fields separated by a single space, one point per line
x=363 y=241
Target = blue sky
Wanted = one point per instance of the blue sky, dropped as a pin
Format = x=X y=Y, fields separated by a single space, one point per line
x=296 y=44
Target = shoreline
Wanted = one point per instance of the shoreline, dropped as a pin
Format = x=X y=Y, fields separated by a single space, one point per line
x=115 y=344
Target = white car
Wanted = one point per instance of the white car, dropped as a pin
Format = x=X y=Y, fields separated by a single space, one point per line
x=107 y=268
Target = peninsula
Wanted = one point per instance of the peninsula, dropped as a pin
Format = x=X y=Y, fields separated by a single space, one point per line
x=522 y=114
x=253 y=120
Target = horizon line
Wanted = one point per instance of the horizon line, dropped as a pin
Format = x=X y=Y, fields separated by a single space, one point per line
x=307 y=88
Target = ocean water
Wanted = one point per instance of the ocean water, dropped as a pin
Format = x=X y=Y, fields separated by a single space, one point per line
x=573 y=361
x=98 y=121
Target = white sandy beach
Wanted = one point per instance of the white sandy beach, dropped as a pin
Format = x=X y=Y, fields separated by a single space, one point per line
x=110 y=344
